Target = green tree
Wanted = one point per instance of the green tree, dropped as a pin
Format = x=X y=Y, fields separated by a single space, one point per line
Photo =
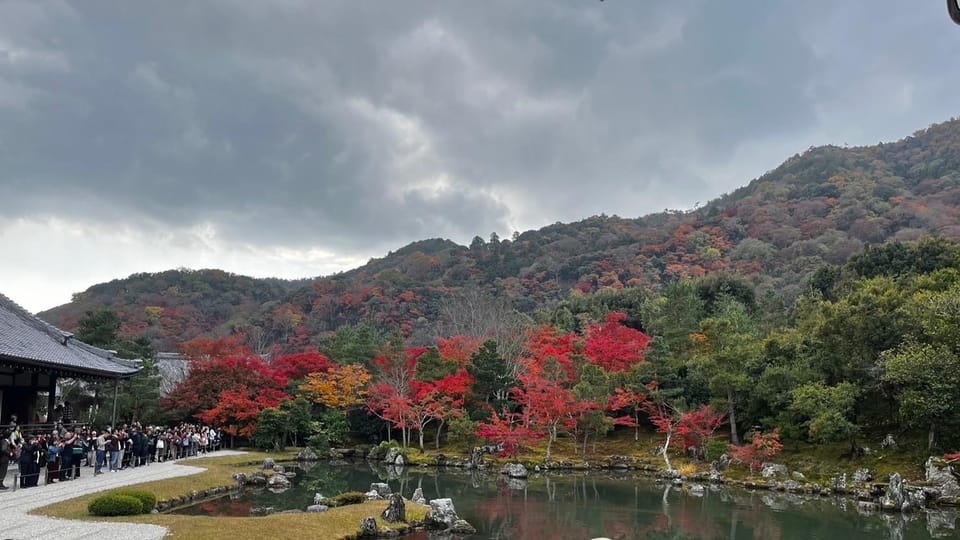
x=353 y=344
x=100 y=328
x=829 y=411
x=493 y=377
x=926 y=379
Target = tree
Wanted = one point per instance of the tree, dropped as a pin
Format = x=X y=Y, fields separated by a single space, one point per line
x=340 y=387
x=545 y=400
x=763 y=447
x=237 y=411
x=726 y=347
x=628 y=400
x=353 y=344
x=203 y=348
x=492 y=377
x=510 y=430
x=926 y=379
x=591 y=392
x=613 y=346
x=247 y=376
x=296 y=367
x=100 y=328
x=829 y=411
x=696 y=428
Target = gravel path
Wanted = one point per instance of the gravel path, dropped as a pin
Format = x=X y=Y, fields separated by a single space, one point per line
x=15 y=524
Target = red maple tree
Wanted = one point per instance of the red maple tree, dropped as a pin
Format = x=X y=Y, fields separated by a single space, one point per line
x=613 y=346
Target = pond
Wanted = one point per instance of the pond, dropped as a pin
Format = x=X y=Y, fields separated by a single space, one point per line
x=579 y=506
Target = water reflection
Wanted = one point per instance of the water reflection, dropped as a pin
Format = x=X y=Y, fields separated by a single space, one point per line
x=619 y=506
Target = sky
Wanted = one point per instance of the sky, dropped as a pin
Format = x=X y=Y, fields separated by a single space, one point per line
x=298 y=138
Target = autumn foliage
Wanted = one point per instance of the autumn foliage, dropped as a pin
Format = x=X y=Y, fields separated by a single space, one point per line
x=337 y=387
x=763 y=447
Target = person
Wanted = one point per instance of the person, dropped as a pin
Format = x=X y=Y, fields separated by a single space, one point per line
x=6 y=452
x=100 y=444
x=29 y=464
x=53 y=460
x=66 y=456
x=78 y=452
x=113 y=446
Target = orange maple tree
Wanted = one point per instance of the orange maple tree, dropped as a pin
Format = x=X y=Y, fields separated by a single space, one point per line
x=338 y=388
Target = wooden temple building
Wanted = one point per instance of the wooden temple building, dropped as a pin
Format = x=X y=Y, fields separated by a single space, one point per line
x=35 y=354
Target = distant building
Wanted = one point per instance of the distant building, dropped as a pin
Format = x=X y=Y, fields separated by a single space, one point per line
x=173 y=368
x=34 y=354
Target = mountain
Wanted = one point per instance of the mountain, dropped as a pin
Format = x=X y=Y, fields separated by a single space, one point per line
x=817 y=208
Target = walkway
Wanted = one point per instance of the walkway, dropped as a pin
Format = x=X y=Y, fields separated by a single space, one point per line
x=15 y=524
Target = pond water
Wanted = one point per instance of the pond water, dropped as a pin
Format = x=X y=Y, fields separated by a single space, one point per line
x=584 y=505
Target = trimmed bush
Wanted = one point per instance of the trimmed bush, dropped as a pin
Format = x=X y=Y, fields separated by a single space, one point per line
x=115 y=505
x=350 y=497
x=147 y=499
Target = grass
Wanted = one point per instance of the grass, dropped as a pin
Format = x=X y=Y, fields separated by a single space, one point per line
x=337 y=523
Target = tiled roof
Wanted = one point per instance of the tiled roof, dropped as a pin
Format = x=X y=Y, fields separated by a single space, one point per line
x=25 y=339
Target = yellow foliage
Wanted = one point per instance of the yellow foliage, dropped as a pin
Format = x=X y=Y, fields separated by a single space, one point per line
x=338 y=388
x=687 y=470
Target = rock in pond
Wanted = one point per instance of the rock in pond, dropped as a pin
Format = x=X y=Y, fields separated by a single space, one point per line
x=397 y=510
x=418 y=497
x=514 y=470
x=307 y=454
x=441 y=515
x=368 y=527
x=461 y=526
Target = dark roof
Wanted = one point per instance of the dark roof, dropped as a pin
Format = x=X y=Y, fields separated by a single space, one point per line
x=27 y=340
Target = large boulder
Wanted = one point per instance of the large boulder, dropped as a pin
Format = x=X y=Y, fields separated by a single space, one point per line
x=368 y=527
x=772 y=470
x=391 y=455
x=269 y=464
x=396 y=511
x=418 y=497
x=382 y=489
x=862 y=476
x=307 y=454
x=939 y=473
x=514 y=470
x=461 y=526
x=278 y=481
x=441 y=515
x=893 y=500
x=317 y=508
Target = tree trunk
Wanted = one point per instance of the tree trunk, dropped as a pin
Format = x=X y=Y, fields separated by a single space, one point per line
x=549 y=442
x=439 y=427
x=420 y=433
x=734 y=437
x=930 y=436
x=666 y=448
x=586 y=435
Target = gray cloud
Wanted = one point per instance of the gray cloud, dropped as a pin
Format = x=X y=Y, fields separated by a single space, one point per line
x=345 y=124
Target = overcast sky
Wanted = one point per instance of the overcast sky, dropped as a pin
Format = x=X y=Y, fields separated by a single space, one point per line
x=298 y=138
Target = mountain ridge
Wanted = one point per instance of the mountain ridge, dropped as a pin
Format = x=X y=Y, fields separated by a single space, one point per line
x=818 y=207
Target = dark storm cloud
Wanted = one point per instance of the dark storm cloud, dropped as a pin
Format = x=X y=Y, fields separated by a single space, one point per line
x=347 y=124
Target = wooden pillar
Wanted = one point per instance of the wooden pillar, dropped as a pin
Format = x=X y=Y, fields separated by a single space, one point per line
x=51 y=397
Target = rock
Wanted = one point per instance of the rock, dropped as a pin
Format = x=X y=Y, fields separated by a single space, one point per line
x=400 y=460
x=476 y=458
x=895 y=497
x=797 y=475
x=461 y=526
x=862 y=476
x=240 y=478
x=391 y=455
x=381 y=488
x=261 y=511
x=939 y=473
x=368 y=527
x=307 y=454
x=697 y=490
x=793 y=486
x=317 y=498
x=441 y=515
x=373 y=495
x=317 y=508
x=723 y=462
x=279 y=469
x=396 y=510
x=278 y=481
x=514 y=470
x=269 y=464
x=888 y=443
x=771 y=470
x=715 y=476
x=839 y=483
x=418 y=496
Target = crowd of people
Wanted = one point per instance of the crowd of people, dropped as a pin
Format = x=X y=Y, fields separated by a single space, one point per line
x=60 y=454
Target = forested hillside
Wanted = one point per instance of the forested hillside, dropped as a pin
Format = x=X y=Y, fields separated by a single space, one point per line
x=818 y=208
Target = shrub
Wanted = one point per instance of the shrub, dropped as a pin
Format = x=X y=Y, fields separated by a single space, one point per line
x=462 y=432
x=147 y=499
x=350 y=497
x=115 y=505
x=687 y=470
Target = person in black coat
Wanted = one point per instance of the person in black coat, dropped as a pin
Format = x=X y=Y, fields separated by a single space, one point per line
x=30 y=464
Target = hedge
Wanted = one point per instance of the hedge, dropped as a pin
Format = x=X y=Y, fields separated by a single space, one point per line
x=115 y=505
x=149 y=500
